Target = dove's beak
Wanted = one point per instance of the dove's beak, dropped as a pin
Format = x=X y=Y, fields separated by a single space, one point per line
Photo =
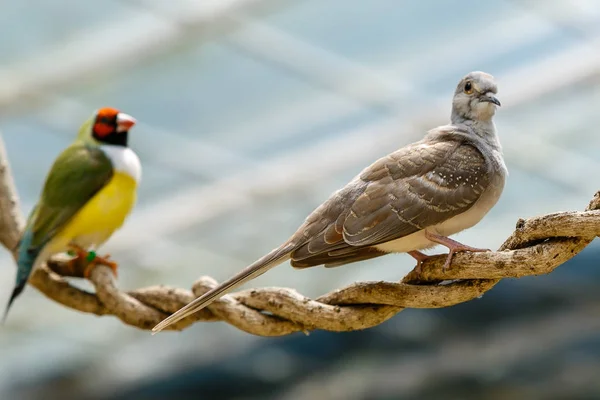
x=490 y=98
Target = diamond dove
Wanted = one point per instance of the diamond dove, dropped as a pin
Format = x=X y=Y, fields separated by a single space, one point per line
x=409 y=200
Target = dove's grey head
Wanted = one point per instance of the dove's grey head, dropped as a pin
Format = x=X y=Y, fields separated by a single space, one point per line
x=475 y=98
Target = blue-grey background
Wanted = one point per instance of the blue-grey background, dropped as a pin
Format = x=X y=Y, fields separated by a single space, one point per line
x=251 y=112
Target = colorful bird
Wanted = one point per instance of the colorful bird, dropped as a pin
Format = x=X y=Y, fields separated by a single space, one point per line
x=89 y=191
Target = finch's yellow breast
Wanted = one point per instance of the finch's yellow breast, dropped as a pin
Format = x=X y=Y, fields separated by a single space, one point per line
x=101 y=216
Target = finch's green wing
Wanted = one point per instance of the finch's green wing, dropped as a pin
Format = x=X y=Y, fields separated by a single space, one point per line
x=75 y=177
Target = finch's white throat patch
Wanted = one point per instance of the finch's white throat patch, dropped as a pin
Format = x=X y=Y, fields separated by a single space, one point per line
x=124 y=160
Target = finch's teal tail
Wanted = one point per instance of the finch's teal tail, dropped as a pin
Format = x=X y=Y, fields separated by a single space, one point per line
x=25 y=262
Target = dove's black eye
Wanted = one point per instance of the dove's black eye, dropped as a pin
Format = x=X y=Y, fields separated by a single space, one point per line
x=468 y=87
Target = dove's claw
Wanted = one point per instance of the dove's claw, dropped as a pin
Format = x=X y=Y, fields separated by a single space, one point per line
x=453 y=247
x=420 y=257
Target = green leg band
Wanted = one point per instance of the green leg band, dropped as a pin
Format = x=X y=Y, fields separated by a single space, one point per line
x=91 y=256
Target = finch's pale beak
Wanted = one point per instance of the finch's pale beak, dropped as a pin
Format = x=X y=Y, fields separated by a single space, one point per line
x=124 y=122
x=490 y=98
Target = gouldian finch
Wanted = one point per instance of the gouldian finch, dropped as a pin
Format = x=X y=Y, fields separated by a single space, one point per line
x=88 y=193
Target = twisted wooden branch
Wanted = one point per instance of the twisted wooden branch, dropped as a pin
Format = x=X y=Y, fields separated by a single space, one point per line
x=537 y=246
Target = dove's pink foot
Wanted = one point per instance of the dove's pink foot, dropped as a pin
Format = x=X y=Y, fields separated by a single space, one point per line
x=452 y=245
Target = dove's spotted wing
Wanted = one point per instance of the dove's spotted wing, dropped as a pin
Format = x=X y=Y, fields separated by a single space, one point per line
x=451 y=177
x=418 y=186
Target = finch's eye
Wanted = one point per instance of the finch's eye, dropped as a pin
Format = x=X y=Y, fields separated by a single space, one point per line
x=468 y=87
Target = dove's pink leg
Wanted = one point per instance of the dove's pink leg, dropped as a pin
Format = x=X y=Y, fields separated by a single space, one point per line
x=420 y=257
x=452 y=245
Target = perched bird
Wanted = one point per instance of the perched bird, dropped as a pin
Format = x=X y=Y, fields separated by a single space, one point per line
x=410 y=200
x=88 y=193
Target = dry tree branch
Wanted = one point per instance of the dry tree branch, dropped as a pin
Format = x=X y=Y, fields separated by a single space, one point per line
x=537 y=246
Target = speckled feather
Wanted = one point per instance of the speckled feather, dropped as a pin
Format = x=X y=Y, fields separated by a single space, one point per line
x=411 y=189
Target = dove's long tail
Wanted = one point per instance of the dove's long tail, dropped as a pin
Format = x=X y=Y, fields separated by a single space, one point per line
x=259 y=267
x=27 y=256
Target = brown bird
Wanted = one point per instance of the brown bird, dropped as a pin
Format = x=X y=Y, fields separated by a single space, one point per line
x=410 y=200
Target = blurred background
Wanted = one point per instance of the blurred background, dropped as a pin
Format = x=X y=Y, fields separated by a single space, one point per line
x=251 y=112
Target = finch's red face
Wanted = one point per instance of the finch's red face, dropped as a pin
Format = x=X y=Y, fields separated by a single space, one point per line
x=112 y=126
